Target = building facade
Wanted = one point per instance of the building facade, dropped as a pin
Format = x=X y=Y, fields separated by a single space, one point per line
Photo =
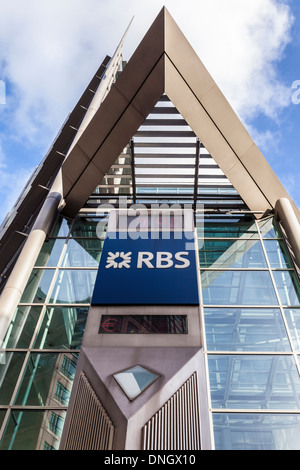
x=150 y=295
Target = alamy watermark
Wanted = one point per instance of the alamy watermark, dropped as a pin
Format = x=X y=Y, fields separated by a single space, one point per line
x=138 y=221
x=2 y=92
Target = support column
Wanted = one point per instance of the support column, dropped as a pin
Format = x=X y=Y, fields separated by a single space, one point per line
x=18 y=279
x=287 y=217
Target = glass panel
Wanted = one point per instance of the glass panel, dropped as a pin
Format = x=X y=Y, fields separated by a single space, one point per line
x=62 y=394
x=254 y=382
x=68 y=366
x=10 y=367
x=135 y=380
x=62 y=328
x=232 y=254
x=237 y=288
x=83 y=253
x=22 y=327
x=61 y=228
x=40 y=378
x=277 y=254
x=269 y=228
x=293 y=320
x=37 y=286
x=50 y=252
x=143 y=324
x=33 y=430
x=2 y=416
x=73 y=286
x=245 y=329
x=56 y=423
x=288 y=287
x=89 y=227
x=228 y=228
x=256 y=431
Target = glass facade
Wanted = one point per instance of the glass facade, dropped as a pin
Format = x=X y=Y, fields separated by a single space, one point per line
x=250 y=305
x=250 y=314
x=43 y=341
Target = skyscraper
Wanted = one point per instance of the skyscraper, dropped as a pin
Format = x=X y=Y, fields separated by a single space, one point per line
x=150 y=273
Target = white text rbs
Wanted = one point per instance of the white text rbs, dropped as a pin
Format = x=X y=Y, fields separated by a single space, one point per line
x=163 y=260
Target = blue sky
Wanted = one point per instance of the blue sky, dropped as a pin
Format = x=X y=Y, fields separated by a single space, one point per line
x=49 y=50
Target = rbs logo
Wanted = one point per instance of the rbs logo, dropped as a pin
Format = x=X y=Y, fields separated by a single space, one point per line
x=162 y=260
x=147 y=272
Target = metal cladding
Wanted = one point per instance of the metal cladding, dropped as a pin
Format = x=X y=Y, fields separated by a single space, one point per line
x=90 y=427
x=176 y=426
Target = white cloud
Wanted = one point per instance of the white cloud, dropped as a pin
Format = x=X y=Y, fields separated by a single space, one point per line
x=51 y=48
x=241 y=44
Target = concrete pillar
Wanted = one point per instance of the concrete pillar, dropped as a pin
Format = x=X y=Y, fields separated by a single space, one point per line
x=18 y=279
x=285 y=213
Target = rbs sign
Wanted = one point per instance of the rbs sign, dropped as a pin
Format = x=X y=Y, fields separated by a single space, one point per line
x=146 y=272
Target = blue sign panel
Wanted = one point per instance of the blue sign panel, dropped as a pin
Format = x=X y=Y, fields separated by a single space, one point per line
x=147 y=272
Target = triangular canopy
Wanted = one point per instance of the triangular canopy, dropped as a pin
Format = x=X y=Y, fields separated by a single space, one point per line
x=165 y=64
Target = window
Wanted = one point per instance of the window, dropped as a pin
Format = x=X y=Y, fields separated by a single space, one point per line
x=56 y=424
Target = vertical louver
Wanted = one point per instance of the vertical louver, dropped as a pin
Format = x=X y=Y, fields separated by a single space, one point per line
x=90 y=427
x=176 y=425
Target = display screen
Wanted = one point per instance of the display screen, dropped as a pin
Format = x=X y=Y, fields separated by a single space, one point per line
x=143 y=324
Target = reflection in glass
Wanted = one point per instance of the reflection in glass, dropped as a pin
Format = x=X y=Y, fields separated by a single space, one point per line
x=237 y=288
x=277 y=254
x=2 y=416
x=22 y=327
x=62 y=394
x=288 y=287
x=73 y=286
x=83 y=253
x=269 y=228
x=232 y=254
x=90 y=227
x=50 y=252
x=10 y=367
x=143 y=324
x=39 y=381
x=33 y=430
x=56 y=423
x=254 y=382
x=229 y=228
x=237 y=431
x=61 y=228
x=245 y=329
x=62 y=328
x=68 y=366
x=37 y=286
x=135 y=380
x=293 y=320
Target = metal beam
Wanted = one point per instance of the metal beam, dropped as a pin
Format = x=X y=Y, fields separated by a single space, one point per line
x=197 y=160
x=133 y=170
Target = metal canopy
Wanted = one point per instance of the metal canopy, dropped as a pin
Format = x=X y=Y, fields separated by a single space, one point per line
x=164 y=64
x=150 y=171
